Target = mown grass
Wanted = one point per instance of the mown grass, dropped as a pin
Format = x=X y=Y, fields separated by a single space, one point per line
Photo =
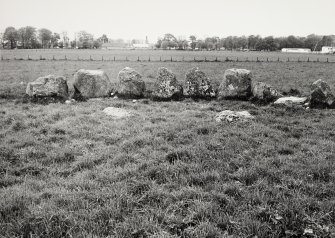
x=170 y=170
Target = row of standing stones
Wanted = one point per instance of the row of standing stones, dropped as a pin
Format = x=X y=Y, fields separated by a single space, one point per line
x=236 y=84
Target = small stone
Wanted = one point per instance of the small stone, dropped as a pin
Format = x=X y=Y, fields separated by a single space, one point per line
x=134 y=101
x=231 y=116
x=116 y=112
x=289 y=101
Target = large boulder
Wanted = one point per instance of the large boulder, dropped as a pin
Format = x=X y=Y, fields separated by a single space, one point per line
x=264 y=92
x=197 y=84
x=166 y=86
x=131 y=84
x=92 y=83
x=321 y=95
x=236 y=84
x=48 y=86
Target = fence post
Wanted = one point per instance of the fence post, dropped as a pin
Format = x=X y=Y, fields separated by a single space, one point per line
x=237 y=59
x=65 y=57
x=327 y=60
x=267 y=59
x=114 y=58
x=90 y=57
x=216 y=59
x=28 y=57
x=138 y=58
x=227 y=59
x=278 y=59
x=160 y=58
x=257 y=60
x=102 y=58
x=183 y=58
x=1 y=57
x=288 y=59
x=205 y=59
x=149 y=58
x=308 y=59
x=53 y=57
x=171 y=58
x=194 y=59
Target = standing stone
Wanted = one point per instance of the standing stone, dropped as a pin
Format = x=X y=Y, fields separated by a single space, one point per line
x=131 y=84
x=166 y=86
x=92 y=83
x=264 y=92
x=48 y=86
x=321 y=95
x=236 y=83
x=197 y=84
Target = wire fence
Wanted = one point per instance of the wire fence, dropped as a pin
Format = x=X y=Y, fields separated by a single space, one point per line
x=170 y=59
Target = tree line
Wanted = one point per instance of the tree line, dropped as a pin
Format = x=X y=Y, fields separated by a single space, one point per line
x=252 y=42
x=31 y=38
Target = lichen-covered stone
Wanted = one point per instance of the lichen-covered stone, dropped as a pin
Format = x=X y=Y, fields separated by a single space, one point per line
x=197 y=85
x=264 y=92
x=236 y=84
x=131 y=84
x=48 y=86
x=321 y=95
x=166 y=86
x=92 y=83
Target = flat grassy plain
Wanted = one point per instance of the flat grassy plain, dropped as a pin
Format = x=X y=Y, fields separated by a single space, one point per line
x=169 y=170
x=164 y=55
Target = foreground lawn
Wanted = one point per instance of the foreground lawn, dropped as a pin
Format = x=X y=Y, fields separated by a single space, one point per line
x=170 y=170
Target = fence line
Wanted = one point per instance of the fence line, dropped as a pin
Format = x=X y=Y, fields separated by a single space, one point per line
x=149 y=59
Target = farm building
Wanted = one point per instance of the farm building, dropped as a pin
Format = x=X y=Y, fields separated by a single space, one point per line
x=296 y=50
x=141 y=46
x=328 y=50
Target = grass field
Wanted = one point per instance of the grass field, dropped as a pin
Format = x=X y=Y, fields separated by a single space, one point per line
x=170 y=170
x=156 y=55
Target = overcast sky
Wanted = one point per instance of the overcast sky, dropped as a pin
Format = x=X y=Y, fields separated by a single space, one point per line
x=135 y=19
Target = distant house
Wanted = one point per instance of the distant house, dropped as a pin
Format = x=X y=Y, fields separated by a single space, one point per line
x=296 y=50
x=328 y=50
x=141 y=46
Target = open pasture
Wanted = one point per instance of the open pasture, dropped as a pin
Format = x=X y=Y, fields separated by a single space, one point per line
x=169 y=170
x=157 y=55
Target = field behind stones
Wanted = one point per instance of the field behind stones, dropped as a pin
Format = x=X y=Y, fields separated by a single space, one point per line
x=169 y=170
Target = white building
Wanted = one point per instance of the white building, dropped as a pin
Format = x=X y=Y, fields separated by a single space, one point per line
x=328 y=50
x=296 y=50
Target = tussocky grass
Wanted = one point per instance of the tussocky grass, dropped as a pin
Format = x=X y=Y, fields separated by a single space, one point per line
x=169 y=170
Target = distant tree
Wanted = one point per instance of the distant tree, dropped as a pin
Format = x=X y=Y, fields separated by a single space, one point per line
x=27 y=36
x=45 y=37
x=158 y=43
x=65 y=39
x=326 y=41
x=85 y=40
x=270 y=43
x=252 y=41
x=193 y=40
x=54 y=40
x=313 y=42
x=242 y=42
x=103 y=39
x=11 y=35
